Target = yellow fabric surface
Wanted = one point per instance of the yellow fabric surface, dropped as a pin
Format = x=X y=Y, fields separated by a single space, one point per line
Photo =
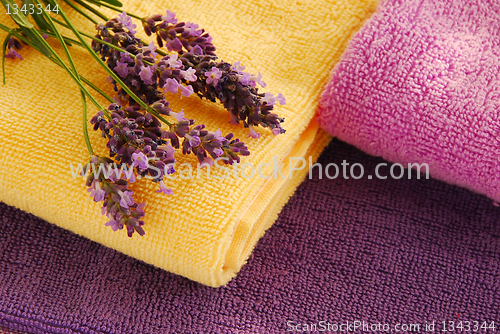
x=208 y=228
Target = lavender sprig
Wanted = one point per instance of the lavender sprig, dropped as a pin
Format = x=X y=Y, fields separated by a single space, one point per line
x=118 y=202
x=218 y=80
x=194 y=68
x=178 y=36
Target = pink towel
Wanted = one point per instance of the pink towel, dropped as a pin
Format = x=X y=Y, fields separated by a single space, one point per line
x=420 y=83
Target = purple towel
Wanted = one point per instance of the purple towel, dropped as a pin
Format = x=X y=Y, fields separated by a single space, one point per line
x=380 y=251
x=420 y=83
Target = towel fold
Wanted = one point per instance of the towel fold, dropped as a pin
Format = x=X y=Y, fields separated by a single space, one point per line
x=208 y=228
x=420 y=83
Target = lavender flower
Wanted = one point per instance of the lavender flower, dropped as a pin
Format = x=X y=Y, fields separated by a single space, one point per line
x=186 y=90
x=169 y=17
x=121 y=69
x=178 y=36
x=146 y=74
x=12 y=45
x=253 y=134
x=218 y=80
x=281 y=99
x=140 y=160
x=127 y=22
x=164 y=189
x=118 y=202
x=213 y=76
x=189 y=74
x=171 y=85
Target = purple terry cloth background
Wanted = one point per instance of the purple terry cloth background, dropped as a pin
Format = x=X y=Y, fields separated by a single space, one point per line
x=380 y=251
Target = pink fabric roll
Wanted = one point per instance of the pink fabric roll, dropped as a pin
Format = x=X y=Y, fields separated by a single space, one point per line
x=420 y=83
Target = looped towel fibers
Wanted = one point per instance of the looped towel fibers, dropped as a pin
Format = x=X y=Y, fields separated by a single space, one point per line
x=419 y=83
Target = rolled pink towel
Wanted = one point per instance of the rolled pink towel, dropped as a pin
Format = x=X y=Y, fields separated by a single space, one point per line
x=420 y=83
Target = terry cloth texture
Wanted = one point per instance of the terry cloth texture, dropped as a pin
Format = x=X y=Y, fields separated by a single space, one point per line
x=420 y=84
x=9 y=331
x=383 y=251
x=207 y=229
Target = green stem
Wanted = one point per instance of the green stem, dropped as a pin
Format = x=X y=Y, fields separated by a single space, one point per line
x=59 y=37
x=3 y=57
x=66 y=39
x=115 y=9
x=75 y=75
x=55 y=61
x=85 y=130
x=110 y=72
x=90 y=9
x=78 y=10
x=63 y=65
x=97 y=89
x=163 y=53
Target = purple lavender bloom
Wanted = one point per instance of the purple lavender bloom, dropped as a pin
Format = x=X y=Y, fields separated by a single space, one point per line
x=253 y=134
x=121 y=69
x=164 y=189
x=258 y=79
x=115 y=225
x=218 y=136
x=179 y=116
x=194 y=141
x=173 y=62
x=186 y=91
x=13 y=54
x=140 y=208
x=96 y=192
x=189 y=74
x=151 y=47
x=207 y=162
x=197 y=50
x=192 y=28
x=126 y=200
x=233 y=119
x=127 y=22
x=12 y=45
x=146 y=75
x=171 y=85
x=281 y=99
x=246 y=78
x=237 y=67
x=218 y=152
x=269 y=99
x=169 y=17
x=125 y=57
x=140 y=160
x=114 y=175
x=174 y=45
x=276 y=131
x=169 y=169
x=130 y=179
x=213 y=76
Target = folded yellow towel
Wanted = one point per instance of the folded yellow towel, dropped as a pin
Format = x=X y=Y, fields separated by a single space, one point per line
x=208 y=228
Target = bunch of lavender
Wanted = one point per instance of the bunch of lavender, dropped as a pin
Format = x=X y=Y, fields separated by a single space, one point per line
x=191 y=67
x=139 y=136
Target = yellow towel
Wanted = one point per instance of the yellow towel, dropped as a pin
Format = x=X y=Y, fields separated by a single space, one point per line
x=208 y=228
